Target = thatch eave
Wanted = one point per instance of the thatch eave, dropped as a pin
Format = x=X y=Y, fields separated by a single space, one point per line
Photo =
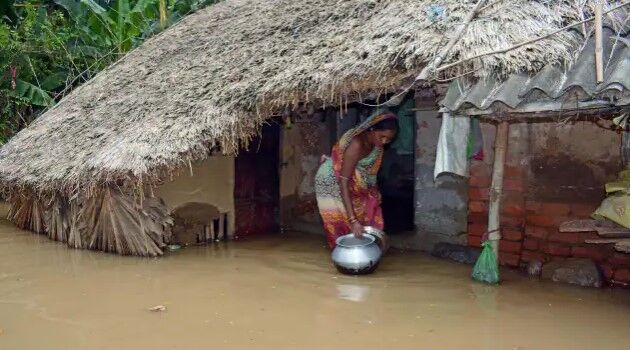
x=215 y=77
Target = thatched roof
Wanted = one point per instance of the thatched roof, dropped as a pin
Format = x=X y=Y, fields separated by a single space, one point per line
x=218 y=74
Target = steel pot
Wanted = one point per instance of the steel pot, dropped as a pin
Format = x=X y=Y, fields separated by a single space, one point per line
x=356 y=256
x=381 y=238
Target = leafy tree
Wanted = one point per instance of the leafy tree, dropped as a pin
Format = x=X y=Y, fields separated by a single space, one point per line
x=48 y=47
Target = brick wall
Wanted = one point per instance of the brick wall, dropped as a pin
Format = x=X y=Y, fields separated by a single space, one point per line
x=530 y=221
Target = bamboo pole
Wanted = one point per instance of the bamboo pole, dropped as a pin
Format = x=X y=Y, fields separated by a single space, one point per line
x=430 y=68
x=496 y=188
x=162 y=14
x=527 y=42
x=599 y=48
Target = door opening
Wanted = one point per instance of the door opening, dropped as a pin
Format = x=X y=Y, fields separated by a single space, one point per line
x=396 y=176
x=257 y=184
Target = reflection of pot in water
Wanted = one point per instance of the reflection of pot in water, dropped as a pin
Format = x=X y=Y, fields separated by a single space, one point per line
x=356 y=255
x=352 y=292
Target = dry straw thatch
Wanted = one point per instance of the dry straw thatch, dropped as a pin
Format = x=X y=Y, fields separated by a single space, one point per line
x=213 y=78
x=109 y=221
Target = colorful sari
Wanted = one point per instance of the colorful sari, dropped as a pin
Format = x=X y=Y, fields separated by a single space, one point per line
x=366 y=198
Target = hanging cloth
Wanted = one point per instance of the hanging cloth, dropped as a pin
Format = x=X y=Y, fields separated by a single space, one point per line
x=460 y=139
x=475 y=141
x=403 y=144
x=452 y=146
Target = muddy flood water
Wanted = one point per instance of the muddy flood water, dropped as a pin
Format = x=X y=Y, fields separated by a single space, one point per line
x=282 y=293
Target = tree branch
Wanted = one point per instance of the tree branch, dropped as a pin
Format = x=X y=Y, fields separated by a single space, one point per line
x=430 y=68
x=451 y=65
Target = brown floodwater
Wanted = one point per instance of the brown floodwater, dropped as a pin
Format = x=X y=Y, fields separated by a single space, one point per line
x=282 y=293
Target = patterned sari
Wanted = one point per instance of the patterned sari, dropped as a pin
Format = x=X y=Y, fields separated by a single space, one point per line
x=366 y=198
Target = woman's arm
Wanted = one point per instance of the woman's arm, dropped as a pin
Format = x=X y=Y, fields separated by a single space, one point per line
x=351 y=157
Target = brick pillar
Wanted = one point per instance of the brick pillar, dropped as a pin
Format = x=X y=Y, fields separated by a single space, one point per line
x=478 y=198
x=512 y=213
x=512 y=203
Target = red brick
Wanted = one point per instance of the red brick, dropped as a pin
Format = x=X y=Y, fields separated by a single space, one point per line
x=477 y=230
x=528 y=256
x=541 y=220
x=479 y=181
x=537 y=232
x=478 y=218
x=557 y=249
x=474 y=241
x=509 y=246
x=531 y=244
x=607 y=271
x=513 y=204
x=513 y=195
x=512 y=210
x=513 y=185
x=513 y=172
x=533 y=207
x=590 y=252
x=555 y=209
x=477 y=207
x=480 y=169
x=512 y=234
x=512 y=222
x=509 y=259
x=619 y=259
x=582 y=210
x=622 y=275
x=478 y=194
x=566 y=237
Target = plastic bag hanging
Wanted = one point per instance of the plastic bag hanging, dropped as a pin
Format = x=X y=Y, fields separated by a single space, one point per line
x=486 y=268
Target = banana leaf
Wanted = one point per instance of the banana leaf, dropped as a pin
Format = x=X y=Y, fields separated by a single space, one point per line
x=33 y=94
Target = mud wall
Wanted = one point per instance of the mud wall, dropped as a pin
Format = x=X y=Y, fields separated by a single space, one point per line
x=440 y=206
x=212 y=182
x=302 y=145
x=554 y=173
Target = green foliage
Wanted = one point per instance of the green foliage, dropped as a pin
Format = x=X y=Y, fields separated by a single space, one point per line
x=33 y=63
x=48 y=47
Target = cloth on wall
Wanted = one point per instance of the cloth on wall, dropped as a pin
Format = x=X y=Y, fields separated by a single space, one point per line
x=475 y=140
x=403 y=144
x=460 y=139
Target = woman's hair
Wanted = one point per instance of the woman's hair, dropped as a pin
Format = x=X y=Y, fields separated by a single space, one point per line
x=386 y=124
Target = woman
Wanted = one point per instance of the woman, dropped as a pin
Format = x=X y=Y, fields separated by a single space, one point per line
x=345 y=184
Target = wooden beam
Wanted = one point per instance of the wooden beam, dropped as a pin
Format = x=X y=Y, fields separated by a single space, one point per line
x=527 y=42
x=430 y=69
x=604 y=228
x=496 y=188
x=599 y=48
x=606 y=240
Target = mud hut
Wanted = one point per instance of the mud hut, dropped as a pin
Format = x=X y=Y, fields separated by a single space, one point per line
x=92 y=170
x=557 y=138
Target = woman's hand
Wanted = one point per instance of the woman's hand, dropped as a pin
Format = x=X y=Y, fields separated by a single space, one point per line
x=357 y=229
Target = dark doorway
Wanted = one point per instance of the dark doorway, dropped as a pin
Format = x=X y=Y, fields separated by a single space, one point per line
x=396 y=182
x=396 y=176
x=257 y=184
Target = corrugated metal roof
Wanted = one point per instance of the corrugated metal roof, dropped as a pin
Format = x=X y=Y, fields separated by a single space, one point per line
x=552 y=84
